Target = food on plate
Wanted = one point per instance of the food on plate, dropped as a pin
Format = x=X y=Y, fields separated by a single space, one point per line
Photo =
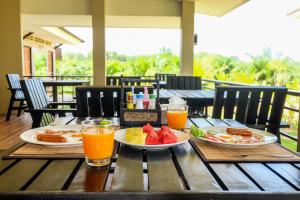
x=229 y=135
x=135 y=135
x=77 y=135
x=197 y=131
x=149 y=136
x=239 y=131
x=51 y=137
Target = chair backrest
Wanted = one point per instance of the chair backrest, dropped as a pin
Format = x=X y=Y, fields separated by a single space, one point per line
x=95 y=101
x=36 y=98
x=250 y=105
x=184 y=83
x=116 y=80
x=113 y=80
x=14 y=85
x=163 y=77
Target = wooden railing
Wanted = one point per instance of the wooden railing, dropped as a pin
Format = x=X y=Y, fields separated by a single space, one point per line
x=211 y=84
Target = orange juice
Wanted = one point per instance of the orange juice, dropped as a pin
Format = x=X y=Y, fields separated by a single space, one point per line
x=98 y=145
x=177 y=119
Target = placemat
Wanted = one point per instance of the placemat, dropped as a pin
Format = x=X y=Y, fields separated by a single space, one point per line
x=40 y=151
x=265 y=153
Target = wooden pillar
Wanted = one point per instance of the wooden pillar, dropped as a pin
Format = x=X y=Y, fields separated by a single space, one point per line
x=50 y=64
x=27 y=61
x=187 y=37
x=98 y=24
x=10 y=46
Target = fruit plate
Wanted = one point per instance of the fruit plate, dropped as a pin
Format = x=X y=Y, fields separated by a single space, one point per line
x=182 y=137
x=30 y=135
x=268 y=137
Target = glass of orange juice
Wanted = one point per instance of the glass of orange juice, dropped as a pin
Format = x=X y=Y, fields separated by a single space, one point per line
x=177 y=116
x=98 y=141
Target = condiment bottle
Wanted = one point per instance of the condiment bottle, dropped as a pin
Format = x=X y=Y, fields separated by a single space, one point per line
x=139 y=101
x=129 y=100
x=134 y=96
x=152 y=101
x=146 y=98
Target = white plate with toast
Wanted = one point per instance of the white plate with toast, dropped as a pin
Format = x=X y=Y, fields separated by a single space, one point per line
x=63 y=135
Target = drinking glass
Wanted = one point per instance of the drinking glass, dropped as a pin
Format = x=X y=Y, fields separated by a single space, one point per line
x=98 y=141
x=177 y=116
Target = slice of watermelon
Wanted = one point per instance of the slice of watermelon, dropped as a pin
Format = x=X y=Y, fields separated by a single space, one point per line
x=148 y=128
x=153 y=139
x=160 y=134
x=169 y=138
x=167 y=129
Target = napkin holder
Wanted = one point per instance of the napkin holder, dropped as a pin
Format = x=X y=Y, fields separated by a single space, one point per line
x=139 y=117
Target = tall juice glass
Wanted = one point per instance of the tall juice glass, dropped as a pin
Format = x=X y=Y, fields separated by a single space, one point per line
x=98 y=141
x=177 y=116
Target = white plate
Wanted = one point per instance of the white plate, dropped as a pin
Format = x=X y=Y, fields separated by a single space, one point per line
x=181 y=138
x=30 y=136
x=268 y=138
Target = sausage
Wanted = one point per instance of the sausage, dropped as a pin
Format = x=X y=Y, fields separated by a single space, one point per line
x=51 y=138
x=239 y=131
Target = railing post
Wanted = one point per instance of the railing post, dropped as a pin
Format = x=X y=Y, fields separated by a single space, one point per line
x=298 y=135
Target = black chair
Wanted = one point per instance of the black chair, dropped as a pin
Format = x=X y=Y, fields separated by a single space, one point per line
x=256 y=107
x=17 y=95
x=184 y=83
x=188 y=83
x=95 y=101
x=163 y=77
x=42 y=111
x=116 y=80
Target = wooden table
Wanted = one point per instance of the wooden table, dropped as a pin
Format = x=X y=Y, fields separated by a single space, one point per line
x=61 y=83
x=175 y=173
x=193 y=97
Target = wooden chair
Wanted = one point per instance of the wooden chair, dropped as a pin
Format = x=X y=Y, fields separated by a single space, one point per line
x=95 y=101
x=17 y=95
x=184 y=83
x=257 y=107
x=163 y=77
x=42 y=111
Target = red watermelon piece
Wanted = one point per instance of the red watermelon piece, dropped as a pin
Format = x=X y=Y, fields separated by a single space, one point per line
x=168 y=130
x=148 y=128
x=153 y=139
x=160 y=134
x=169 y=137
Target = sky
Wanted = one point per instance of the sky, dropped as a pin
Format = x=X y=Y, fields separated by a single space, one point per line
x=254 y=26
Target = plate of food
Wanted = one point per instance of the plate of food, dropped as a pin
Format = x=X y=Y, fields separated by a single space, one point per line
x=64 y=135
x=233 y=137
x=147 y=137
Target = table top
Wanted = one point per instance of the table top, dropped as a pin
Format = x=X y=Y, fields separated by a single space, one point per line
x=178 y=173
x=65 y=82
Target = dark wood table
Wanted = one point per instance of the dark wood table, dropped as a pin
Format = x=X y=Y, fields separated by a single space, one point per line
x=193 y=97
x=61 y=83
x=175 y=173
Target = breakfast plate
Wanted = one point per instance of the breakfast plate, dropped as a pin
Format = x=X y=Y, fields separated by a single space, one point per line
x=182 y=137
x=220 y=136
x=70 y=133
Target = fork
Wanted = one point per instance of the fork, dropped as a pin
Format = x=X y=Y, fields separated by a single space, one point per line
x=261 y=154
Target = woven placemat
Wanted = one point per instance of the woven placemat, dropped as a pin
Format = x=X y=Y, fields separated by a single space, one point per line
x=40 y=151
x=264 y=153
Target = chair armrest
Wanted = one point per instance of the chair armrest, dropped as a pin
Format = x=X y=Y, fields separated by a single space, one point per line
x=53 y=111
x=62 y=103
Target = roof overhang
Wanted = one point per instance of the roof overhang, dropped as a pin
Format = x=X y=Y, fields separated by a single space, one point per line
x=217 y=8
